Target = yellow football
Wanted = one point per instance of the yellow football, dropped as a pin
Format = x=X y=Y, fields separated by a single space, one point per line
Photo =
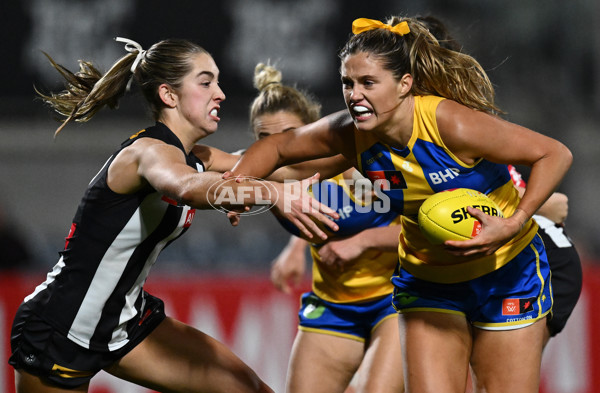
x=444 y=216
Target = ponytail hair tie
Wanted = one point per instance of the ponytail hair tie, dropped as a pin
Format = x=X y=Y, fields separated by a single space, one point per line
x=363 y=24
x=132 y=47
x=271 y=83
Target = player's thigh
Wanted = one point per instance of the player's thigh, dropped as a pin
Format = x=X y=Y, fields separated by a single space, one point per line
x=322 y=362
x=381 y=368
x=29 y=383
x=436 y=347
x=508 y=360
x=178 y=357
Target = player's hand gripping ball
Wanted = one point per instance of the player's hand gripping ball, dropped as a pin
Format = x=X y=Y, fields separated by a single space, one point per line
x=444 y=216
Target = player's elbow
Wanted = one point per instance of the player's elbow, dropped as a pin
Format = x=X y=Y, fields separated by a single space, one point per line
x=564 y=156
x=568 y=155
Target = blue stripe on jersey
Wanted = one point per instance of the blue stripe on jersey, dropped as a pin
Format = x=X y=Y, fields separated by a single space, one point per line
x=484 y=177
x=354 y=218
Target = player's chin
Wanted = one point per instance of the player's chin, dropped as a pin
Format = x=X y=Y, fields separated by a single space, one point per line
x=366 y=126
x=211 y=128
x=365 y=123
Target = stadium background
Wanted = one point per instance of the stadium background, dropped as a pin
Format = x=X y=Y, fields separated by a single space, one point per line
x=543 y=58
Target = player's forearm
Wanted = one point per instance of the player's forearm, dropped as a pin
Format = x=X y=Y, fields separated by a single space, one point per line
x=260 y=160
x=380 y=238
x=546 y=175
x=206 y=190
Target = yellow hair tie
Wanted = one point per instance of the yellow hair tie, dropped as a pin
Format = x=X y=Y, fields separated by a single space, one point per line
x=363 y=24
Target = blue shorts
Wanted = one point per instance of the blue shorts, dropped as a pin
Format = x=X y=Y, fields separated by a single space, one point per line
x=355 y=321
x=514 y=296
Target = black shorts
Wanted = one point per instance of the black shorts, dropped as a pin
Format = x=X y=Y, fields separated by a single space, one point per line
x=39 y=349
x=566 y=282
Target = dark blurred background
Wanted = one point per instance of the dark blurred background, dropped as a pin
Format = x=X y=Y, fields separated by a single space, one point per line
x=543 y=58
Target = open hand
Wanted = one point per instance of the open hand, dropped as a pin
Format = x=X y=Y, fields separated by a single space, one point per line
x=296 y=204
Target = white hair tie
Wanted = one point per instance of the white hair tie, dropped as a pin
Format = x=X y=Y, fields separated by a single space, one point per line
x=132 y=47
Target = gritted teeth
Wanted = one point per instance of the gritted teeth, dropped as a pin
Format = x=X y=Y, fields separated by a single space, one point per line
x=360 y=109
x=214 y=112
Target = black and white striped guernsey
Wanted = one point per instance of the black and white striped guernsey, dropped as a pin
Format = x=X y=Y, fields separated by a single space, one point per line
x=94 y=294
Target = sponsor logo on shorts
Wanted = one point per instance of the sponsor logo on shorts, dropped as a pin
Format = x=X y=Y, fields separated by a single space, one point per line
x=314 y=308
x=519 y=319
x=29 y=359
x=517 y=306
x=313 y=311
x=404 y=298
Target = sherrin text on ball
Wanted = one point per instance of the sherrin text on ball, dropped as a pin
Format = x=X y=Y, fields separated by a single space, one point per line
x=444 y=215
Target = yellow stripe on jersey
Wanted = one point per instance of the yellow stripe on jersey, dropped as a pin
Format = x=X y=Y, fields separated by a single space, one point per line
x=367 y=278
x=427 y=166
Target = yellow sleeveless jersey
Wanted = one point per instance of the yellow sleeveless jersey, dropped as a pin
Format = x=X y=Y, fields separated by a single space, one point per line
x=426 y=166
x=368 y=277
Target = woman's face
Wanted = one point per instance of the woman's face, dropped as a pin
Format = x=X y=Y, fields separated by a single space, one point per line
x=371 y=92
x=274 y=123
x=200 y=95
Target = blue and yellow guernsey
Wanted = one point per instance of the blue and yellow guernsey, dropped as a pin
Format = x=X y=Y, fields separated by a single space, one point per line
x=369 y=277
x=426 y=166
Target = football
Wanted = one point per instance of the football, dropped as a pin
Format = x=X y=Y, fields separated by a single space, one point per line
x=444 y=216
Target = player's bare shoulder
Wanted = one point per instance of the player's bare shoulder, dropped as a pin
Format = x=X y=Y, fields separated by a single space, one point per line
x=124 y=175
